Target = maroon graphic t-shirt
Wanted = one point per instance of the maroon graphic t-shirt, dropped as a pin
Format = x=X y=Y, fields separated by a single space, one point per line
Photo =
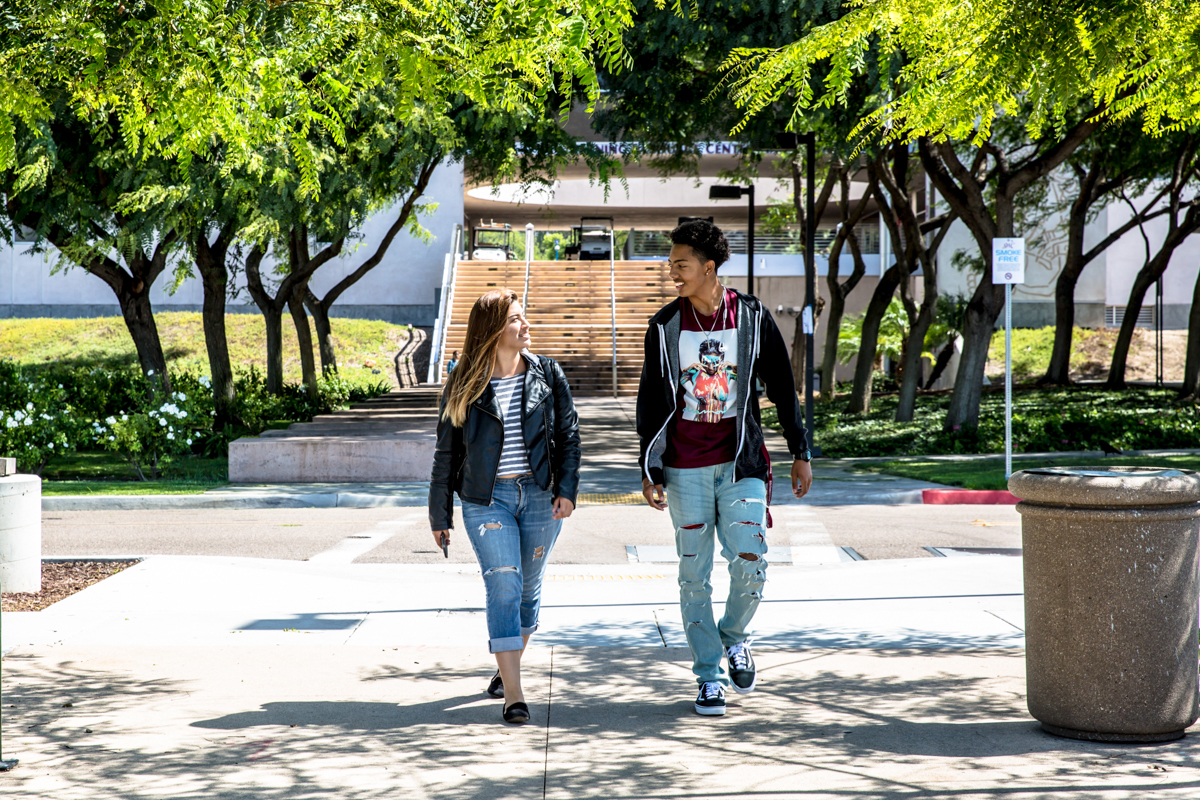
x=704 y=429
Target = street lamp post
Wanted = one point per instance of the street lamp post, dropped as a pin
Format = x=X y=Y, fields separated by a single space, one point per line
x=728 y=192
x=810 y=284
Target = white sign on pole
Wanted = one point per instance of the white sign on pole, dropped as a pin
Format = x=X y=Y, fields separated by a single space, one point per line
x=806 y=319
x=1008 y=268
x=1008 y=261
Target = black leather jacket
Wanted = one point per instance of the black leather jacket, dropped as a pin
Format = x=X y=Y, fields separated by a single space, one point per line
x=466 y=458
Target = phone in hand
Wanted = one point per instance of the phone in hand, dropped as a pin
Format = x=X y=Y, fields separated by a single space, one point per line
x=445 y=540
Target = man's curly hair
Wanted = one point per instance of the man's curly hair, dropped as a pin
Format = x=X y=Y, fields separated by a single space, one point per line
x=704 y=238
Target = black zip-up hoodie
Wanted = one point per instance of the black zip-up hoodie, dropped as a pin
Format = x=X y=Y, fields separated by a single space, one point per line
x=761 y=346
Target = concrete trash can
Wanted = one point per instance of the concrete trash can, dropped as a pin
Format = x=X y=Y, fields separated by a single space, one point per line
x=1111 y=600
x=21 y=533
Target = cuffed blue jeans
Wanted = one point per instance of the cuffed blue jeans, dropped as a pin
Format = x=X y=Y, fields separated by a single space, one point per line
x=512 y=539
x=705 y=502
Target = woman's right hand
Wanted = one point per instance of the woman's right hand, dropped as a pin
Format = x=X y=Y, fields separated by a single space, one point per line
x=437 y=538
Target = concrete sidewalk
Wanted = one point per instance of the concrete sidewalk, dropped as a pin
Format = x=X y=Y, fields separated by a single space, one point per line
x=218 y=677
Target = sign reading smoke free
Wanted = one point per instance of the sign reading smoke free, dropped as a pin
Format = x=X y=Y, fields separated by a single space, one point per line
x=1008 y=261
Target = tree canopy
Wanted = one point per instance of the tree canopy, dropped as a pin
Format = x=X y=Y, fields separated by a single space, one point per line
x=961 y=65
x=183 y=75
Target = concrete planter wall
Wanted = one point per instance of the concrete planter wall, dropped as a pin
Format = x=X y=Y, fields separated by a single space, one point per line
x=1111 y=599
x=21 y=533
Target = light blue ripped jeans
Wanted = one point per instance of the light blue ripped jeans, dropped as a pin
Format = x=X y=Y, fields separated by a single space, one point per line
x=703 y=502
x=512 y=539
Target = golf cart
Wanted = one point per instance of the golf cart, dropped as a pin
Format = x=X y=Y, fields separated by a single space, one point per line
x=591 y=242
x=491 y=241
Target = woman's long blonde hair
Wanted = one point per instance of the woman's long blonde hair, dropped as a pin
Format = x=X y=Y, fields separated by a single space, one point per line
x=485 y=326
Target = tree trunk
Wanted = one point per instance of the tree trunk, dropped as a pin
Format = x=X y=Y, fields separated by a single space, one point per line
x=943 y=360
x=1137 y=295
x=274 y=321
x=139 y=319
x=978 y=325
x=308 y=366
x=833 y=326
x=215 y=277
x=1059 y=371
x=1191 y=366
x=860 y=395
x=1147 y=275
x=320 y=317
x=912 y=359
x=798 y=351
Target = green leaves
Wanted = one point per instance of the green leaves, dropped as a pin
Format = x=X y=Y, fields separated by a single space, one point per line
x=181 y=77
x=957 y=67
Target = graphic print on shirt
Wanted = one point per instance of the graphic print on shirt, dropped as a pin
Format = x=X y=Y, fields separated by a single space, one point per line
x=710 y=379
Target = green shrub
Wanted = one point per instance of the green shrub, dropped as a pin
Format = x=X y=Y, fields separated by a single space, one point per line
x=1044 y=420
x=47 y=410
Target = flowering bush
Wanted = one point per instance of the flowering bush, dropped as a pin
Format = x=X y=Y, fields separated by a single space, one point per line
x=45 y=426
x=50 y=410
x=165 y=425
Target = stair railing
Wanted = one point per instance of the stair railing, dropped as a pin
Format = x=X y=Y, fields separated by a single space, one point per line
x=528 y=260
x=442 y=324
x=612 y=287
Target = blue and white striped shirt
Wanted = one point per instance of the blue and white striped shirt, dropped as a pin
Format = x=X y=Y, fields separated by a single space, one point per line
x=510 y=397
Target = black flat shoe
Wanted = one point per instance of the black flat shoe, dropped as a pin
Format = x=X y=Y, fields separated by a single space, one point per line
x=496 y=687
x=516 y=714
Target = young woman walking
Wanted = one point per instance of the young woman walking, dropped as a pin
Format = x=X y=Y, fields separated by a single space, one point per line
x=508 y=444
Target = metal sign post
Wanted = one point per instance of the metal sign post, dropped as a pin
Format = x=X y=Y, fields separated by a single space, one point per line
x=1008 y=268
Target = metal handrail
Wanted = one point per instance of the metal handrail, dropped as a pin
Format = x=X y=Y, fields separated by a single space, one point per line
x=612 y=287
x=528 y=260
x=442 y=323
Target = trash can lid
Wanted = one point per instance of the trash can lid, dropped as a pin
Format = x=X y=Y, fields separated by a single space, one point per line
x=1107 y=486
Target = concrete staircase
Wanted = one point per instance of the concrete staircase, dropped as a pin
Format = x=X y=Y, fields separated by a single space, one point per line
x=386 y=439
x=571 y=312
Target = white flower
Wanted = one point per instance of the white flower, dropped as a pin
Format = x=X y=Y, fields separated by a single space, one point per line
x=29 y=406
x=205 y=381
x=171 y=436
x=124 y=417
x=182 y=414
x=28 y=421
x=162 y=422
x=112 y=438
x=189 y=441
x=183 y=397
x=51 y=445
x=20 y=415
x=111 y=421
x=11 y=423
x=60 y=386
x=149 y=372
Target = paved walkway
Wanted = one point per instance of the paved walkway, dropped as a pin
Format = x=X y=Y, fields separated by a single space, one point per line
x=187 y=677
x=335 y=671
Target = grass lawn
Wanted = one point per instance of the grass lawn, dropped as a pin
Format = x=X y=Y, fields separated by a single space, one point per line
x=365 y=348
x=107 y=473
x=61 y=488
x=988 y=473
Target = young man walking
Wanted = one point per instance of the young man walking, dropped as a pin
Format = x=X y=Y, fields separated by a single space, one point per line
x=701 y=441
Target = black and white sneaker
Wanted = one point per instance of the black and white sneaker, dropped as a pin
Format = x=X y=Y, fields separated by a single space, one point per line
x=711 y=700
x=741 y=668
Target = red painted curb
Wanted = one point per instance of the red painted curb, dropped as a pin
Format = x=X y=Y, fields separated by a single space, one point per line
x=962 y=497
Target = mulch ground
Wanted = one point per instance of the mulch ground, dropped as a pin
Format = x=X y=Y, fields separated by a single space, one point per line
x=61 y=579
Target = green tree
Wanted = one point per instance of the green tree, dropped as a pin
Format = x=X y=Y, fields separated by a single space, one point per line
x=180 y=77
x=962 y=68
x=1117 y=159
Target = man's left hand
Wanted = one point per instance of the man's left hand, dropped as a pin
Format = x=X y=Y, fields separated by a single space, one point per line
x=801 y=477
